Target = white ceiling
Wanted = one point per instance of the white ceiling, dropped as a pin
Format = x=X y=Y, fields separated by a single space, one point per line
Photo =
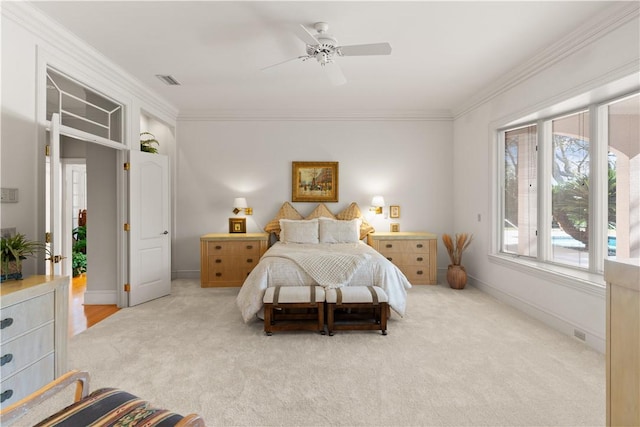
x=443 y=52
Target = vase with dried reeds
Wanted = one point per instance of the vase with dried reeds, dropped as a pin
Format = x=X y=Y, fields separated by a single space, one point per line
x=456 y=274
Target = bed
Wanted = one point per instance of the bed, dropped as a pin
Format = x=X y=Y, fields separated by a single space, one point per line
x=322 y=251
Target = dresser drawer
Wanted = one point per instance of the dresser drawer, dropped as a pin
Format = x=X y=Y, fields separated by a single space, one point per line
x=26 y=349
x=27 y=381
x=233 y=248
x=399 y=246
x=29 y=314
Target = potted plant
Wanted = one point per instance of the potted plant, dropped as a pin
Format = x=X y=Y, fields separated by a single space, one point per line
x=79 y=251
x=13 y=250
x=146 y=142
x=456 y=274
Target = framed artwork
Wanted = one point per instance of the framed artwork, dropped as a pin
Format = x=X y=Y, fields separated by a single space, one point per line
x=394 y=211
x=395 y=227
x=314 y=182
x=237 y=225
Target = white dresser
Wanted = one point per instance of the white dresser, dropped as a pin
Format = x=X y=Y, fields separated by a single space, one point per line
x=33 y=339
x=623 y=341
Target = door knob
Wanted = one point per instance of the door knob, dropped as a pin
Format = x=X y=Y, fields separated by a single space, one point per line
x=165 y=232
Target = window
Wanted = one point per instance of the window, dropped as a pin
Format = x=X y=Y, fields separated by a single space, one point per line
x=623 y=216
x=571 y=191
x=82 y=108
x=520 y=211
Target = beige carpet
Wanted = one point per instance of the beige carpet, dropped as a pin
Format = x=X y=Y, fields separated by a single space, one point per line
x=459 y=358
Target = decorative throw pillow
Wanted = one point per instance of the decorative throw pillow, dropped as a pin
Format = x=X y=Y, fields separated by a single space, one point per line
x=286 y=212
x=353 y=212
x=336 y=231
x=299 y=231
x=321 y=211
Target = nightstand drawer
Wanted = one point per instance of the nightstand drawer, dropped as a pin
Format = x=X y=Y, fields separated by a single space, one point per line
x=416 y=275
x=408 y=259
x=396 y=246
x=229 y=247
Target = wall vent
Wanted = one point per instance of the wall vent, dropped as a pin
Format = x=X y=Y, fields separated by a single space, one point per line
x=579 y=334
x=168 y=79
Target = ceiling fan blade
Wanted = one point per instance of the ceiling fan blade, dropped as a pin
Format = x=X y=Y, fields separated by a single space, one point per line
x=304 y=35
x=365 y=49
x=283 y=62
x=334 y=73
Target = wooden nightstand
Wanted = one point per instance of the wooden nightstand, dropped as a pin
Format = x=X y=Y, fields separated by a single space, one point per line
x=415 y=254
x=227 y=259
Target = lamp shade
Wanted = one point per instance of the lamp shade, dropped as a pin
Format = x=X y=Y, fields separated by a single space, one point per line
x=377 y=201
x=240 y=203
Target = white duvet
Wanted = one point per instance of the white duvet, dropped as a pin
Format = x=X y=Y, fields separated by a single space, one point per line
x=280 y=265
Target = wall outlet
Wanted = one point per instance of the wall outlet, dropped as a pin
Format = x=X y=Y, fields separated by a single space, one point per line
x=580 y=335
x=479 y=217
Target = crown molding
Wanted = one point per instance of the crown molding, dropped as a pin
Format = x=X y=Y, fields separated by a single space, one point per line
x=590 y=31
x=59 y=40
x=291 y=115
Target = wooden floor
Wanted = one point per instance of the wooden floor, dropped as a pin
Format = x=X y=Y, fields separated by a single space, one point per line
x=83 y=316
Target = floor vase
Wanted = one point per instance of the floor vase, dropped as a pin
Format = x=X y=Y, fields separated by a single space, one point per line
x=456 y=276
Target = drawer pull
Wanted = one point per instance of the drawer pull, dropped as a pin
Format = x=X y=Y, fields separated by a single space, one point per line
x=218 y=247
x=218 y=274
x=419 y=272
x=6 y=359
x=419 y=245
x=249 y=260
x=249 y=246
x=419 y=258
x=5 y=323
x=388 y=246
x=6 y=395
x=218 y=261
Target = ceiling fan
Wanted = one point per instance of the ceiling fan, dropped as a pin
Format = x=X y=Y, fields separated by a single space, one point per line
x=324 y=48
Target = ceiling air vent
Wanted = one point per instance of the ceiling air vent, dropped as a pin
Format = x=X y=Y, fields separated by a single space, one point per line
x=168 y=80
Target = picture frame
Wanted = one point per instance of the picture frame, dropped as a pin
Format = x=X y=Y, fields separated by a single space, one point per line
x=237 y=225
x=314 y=182
x=395 y=227
x=394 y=211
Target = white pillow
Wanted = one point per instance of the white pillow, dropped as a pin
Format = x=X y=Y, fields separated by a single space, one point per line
x=299 y=231
x=337 y=231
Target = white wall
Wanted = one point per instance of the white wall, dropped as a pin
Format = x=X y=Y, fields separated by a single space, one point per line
x=564 y=303
x=30 y=41
x=408 y=162
x=102 y=216
x=19 y=156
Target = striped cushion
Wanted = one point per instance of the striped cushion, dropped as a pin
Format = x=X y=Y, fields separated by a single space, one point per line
x=111 y=407
x=356 y=294
x=293 y=294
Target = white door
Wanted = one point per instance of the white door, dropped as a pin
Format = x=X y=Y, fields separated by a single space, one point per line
x=149 y=240
x=54 y=201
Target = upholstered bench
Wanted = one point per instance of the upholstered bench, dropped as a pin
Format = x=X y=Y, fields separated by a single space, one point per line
x=357 y=308
x=290 y=308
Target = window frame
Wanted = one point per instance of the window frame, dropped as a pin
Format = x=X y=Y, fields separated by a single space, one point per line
x=574 y=276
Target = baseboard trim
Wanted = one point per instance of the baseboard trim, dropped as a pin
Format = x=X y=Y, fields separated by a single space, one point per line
x=100 y=297
x=551 y=319
x=186 y=274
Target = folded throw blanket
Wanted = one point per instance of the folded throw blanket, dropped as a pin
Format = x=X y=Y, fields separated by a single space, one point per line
x=328 y=269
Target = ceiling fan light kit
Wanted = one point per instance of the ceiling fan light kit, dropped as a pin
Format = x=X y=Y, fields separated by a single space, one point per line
x=324 y=48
